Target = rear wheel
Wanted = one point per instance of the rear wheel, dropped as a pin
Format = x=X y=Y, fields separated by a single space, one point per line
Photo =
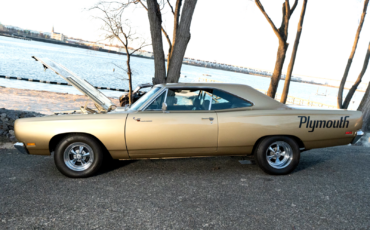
x=277 y=155
x=78 y=156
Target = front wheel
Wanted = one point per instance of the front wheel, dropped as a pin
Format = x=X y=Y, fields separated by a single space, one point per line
x=277 y=155
x=78 y=156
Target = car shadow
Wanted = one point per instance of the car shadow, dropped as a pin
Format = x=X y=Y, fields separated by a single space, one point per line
x=310 y=161
x=112 y=165
x=303 y=165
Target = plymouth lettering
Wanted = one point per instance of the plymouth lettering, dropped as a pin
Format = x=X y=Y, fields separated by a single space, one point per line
x=312 y=124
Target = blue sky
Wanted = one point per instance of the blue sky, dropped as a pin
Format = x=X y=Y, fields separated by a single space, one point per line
x=233 y=32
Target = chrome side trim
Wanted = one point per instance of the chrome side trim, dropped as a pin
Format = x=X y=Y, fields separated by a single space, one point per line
x=21 y=148
x=358 y=136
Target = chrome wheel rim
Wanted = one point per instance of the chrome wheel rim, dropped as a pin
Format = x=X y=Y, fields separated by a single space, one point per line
x=78 y=156
x=279 y=154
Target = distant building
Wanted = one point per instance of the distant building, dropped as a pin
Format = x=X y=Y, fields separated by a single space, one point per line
x=57 y=36
x=2 y=28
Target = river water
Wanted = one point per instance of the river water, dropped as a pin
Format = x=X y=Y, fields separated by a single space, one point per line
x=107 y=70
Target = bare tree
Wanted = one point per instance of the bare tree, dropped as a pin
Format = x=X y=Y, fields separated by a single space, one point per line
x=181 y=38
x=181 y=35
x=155 y=21
x=282 y=35
x=358 y=81
x=176 y=15
x=349 y=62
x=284 y=95
x=120 y=29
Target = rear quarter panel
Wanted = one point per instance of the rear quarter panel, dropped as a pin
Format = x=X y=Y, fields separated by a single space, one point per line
x=240 y=130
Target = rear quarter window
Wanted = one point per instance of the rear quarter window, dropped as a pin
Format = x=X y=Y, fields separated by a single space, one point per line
x=223 y=100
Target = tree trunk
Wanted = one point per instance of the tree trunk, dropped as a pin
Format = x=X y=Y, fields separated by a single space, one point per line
x=280 y=58
x=182 y=40
x=349 y=62
x=155 y=21
x=365 y=109
x=282 y=34
x=363 y=101
x=284 y=95
x=130 y=87
x=165 y=34
x=129 y=73
x=358 y=81
x=175 y=26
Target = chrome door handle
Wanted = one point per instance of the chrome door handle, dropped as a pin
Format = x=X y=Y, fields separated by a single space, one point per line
x=136 y=119
x=208 y=118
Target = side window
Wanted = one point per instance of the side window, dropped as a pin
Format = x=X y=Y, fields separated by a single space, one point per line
x=188 y=99
x=157 y=103
x=223 y=100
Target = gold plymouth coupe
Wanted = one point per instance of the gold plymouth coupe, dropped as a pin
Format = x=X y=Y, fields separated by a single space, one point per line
x=183 y=120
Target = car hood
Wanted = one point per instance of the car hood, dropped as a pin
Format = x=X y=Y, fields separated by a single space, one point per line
x=81 y=84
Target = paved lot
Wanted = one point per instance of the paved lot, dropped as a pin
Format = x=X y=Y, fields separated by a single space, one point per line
x=330 y=189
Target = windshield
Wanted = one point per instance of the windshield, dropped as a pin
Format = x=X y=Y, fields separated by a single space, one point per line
x=144 y=98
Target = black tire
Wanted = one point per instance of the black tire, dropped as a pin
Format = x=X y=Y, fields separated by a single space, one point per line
x=269 y=161
x=92 y=155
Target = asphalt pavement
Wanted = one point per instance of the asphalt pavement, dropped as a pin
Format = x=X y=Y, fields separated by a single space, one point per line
x=329 y=190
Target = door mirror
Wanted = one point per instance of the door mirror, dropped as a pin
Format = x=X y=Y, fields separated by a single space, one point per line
x=164 y=106
x=127 y=106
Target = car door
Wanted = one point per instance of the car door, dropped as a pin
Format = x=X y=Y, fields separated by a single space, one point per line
x=235 y=135
x=186 y=128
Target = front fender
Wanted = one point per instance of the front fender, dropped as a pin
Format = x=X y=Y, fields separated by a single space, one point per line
x=108 y=128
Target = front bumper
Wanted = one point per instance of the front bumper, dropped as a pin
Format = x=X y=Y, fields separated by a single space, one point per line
x=359 y=134
x=21 y=147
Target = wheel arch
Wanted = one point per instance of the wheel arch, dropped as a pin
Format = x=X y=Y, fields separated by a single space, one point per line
x=296 y=139
x=57 y=138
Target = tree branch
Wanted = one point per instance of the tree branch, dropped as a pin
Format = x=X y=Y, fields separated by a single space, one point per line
x=163 y=30
x=176 y=19
x=142 y=46
x=353 y=89
x=293 y=7
x=276 y=31
x=286 y=19
x=173 y=12
x=349 y=62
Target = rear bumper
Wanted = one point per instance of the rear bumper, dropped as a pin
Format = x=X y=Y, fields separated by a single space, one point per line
x=21 y=147
x=359 y=134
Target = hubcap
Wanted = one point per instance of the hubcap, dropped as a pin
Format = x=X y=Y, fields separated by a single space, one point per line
x=279 y=154
x=78 y=156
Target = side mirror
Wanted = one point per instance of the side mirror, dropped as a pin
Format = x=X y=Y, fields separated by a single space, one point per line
x=127 y=106
x=164 y=106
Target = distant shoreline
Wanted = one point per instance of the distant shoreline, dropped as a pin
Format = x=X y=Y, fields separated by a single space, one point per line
x=7 y=34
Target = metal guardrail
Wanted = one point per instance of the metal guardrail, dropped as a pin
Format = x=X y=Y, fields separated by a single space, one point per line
x=290 y=100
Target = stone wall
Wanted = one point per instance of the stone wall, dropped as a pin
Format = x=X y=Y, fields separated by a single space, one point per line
x=7 y=119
